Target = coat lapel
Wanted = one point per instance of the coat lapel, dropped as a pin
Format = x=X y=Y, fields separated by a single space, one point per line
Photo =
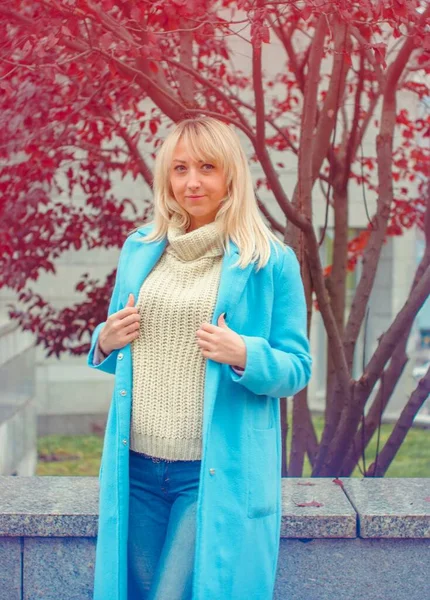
x=231 y=286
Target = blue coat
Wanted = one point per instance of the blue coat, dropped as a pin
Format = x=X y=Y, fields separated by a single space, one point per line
x=239 y=501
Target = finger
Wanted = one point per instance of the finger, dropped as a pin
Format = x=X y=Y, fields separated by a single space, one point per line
x=130 y=301
x=208 y=332
x=124 y=312
x=204 y=345
x=133 y=328
x=131 y=337
x=202 y=339
x=129 y=320
x=209 y=327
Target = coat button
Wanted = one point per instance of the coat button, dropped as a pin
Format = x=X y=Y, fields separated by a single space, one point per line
x=120 y=356
x=212 y=471
x=123 y=393
x=124 y=441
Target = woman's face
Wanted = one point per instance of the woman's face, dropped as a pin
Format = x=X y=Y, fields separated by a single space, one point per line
x=198 y=187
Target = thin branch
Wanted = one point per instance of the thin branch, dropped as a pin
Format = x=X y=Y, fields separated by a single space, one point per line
x=351 y=145
x=273 y=222
x=390 y=377
x=401 y=428
x=286 y=38
x=271 y=122
x=375 y=367
x=204 y=81
x=384 y=152
x=111 y=24
x=370 y=57
x=143 y=167
x=362 y=130
x=221 y=117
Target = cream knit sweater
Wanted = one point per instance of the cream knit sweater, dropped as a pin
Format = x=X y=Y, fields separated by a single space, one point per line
x=177 y=296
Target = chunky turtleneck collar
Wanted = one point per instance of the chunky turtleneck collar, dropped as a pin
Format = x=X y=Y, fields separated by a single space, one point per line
x=202 y=242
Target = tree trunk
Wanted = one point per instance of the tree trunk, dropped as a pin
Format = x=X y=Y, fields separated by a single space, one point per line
x=337 y=278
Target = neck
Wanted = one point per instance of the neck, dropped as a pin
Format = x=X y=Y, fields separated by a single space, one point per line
x=195 y=225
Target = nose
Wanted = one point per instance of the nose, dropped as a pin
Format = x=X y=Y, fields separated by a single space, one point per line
x=193 y=181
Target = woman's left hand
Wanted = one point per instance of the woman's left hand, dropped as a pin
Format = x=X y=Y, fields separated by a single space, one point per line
x=221 y=344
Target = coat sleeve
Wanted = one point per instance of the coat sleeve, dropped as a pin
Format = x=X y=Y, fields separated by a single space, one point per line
x=108 y=365
x=99 y=356
x=281 y=366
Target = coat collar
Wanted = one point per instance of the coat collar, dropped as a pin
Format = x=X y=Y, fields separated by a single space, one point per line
x=232 y=281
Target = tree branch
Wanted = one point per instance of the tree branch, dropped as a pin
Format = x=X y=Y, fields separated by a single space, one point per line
x=370 y=57
x=273 y=222
x=388 y=381
x=384 y=153
x=272 y=123
x=352 y=144
x=257 y=80
x=401 y=428
x=305 y=182
x=363 y=387
x=246 y=127
x=286 y=41
x=186 y=84
x=328 y=114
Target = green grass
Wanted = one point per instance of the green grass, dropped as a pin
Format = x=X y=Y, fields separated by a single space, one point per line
x=80 y=455
x=412 y=459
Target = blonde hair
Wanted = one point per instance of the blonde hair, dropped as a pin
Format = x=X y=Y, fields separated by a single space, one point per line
x=238 y=217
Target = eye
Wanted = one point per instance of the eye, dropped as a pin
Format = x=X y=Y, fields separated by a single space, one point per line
x=208 y=167
x=179 y=168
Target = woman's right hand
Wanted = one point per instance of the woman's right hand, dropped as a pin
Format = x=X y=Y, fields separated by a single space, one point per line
x=121 y=328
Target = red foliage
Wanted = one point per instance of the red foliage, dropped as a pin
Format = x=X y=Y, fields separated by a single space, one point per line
x=80 y=94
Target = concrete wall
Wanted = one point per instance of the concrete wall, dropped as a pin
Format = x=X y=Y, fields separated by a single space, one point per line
x=18 y=454
x=368 y=540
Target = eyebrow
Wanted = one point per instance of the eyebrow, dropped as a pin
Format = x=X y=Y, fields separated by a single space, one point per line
x=184 y=161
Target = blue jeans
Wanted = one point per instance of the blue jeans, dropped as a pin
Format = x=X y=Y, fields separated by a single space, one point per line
x=162 y=528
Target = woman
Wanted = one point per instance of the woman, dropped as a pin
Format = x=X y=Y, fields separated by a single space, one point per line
x=206 y=330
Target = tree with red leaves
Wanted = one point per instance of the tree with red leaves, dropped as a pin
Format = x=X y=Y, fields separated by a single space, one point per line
x=84 y=85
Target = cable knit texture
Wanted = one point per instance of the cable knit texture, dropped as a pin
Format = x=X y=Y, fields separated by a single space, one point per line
x=177 y=296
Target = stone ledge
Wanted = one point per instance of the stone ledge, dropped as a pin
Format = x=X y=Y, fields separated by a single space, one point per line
x=334 y=518
x=49 y=506
x=391 y=508
x=365 y=508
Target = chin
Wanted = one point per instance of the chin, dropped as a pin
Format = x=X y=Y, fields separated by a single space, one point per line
x=199 y=209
